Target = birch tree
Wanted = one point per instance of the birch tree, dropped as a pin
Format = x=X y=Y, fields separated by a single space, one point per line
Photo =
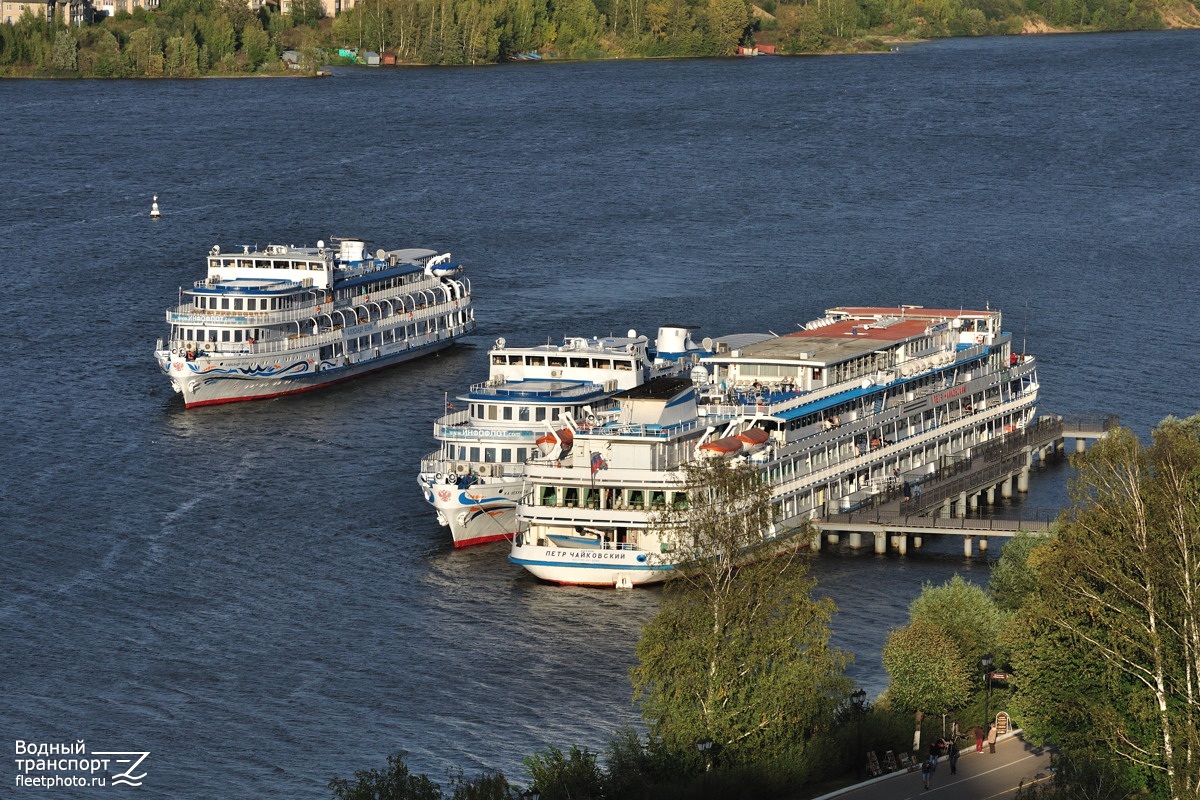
x=1108 y=647
x=739 y=653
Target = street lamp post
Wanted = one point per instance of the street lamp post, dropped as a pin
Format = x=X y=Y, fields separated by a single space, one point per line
x=986 y=661
x=704 y=746
x=858 y=699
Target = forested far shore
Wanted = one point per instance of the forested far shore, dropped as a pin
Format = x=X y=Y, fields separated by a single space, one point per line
x=193 y=38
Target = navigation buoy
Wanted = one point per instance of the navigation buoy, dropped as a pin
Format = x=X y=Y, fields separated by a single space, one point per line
x=154 y=208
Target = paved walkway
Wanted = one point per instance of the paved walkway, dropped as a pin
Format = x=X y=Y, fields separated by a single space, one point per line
x=981 y=776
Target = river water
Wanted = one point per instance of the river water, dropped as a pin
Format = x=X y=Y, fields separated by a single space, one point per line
x=256 y=594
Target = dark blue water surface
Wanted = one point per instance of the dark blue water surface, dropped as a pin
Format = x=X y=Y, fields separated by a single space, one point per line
x=257 y=595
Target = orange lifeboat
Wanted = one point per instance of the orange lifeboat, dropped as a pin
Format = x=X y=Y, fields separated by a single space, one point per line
x=549 y=441
x=728 y=446
x=753 y=437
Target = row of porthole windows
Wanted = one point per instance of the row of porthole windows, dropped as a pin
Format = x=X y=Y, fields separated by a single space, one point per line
x=213 y=303
x=489 y=454
x=221 y=335
x=614 y=498
x=578 y=362
x=519 y=413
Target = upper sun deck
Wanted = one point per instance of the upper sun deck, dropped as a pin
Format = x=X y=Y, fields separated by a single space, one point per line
x=849 y=333
x=314 y=267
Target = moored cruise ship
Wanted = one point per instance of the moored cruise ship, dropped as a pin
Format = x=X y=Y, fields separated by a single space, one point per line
x=535 y=400
x=286 y=319
x=857 y=400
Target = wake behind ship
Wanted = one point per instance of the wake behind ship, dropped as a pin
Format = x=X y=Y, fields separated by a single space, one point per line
x=290 y=319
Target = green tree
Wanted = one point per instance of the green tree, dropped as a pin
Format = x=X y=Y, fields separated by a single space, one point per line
x=965 y=613
x=395 y=782
x=739 y=652
x=1111 y=639
x=576 y=776
x=256 y=44
x=927 y=669
x=1013 y=580
x=727 y=23
x=65 y=54
x=143 y=52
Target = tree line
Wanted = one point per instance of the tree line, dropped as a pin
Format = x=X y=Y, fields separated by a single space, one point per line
x=189 y=38
x=1094 y=628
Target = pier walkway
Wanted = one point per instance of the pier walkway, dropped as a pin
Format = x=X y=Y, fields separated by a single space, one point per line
x=913 y=505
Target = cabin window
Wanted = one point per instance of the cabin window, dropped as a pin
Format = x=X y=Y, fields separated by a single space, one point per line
x=523 y=414
x=489 y=454
x=579 y=362
x=558 y=361
x=554 y=414
x=637 y=498
x=237 y=304
x=508 y=413
x=603 y=363
x=506 y=454
x=224 y=336
x=474 y=453
x=624 y=365
x=541 y=414
x=514 y=359
x=498 y=360
x=522 y=454
x=571 y=495
x=536 y=361
x=225 y=303
x=491 y=412
x=549 y=498
x=658 y=499
x=237 y=336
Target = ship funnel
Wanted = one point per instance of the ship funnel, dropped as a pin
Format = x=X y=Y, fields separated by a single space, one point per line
x=351 y=250
x=673 y=340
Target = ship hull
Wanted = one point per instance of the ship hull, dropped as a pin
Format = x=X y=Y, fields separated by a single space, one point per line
x=476 y=514
x=240 y=378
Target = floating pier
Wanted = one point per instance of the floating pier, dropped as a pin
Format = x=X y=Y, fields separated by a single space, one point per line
x=913 y=507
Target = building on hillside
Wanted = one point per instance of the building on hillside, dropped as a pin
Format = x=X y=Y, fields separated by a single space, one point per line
x=110 y=8
x=70 y=12
x=329 y=8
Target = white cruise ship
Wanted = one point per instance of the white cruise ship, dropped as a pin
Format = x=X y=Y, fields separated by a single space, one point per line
x=534 y=402
x=285 y=319
x=858 y=400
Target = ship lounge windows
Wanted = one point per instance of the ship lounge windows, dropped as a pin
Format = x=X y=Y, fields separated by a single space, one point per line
x=508 y=413
x=603 y=363
x=558 y=361
x=571 y=497
x=540 y=415
x=489 y=455
x=579 y=362
x=536 y=361
x=626 y=366
x=549 y=496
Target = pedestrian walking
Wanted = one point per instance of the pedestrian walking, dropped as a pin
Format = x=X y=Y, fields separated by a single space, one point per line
x=952 y=756
x=928 y=768
x=991 y=737
x=978 y=738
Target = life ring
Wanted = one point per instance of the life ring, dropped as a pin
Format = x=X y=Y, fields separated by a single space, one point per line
x=979 y=338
